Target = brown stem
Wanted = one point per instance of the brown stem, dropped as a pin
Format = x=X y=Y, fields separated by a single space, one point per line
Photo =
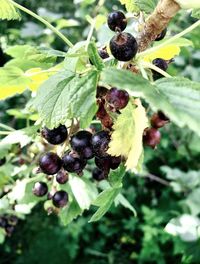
x=157 y=22
x=157 y=179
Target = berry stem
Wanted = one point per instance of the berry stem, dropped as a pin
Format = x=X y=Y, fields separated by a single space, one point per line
x=42 y=20
x=170 y=40
x=142 y=70
x=155 y=68
x=93 y=23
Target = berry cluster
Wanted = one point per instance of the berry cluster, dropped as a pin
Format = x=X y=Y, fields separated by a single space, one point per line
x=123 y=45
x=112 y=100
x=84 y=146
x=152 y=135
x=8 y=223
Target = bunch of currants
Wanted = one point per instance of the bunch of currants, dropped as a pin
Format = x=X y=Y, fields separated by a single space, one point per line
x=8 y=223
x=84 y=146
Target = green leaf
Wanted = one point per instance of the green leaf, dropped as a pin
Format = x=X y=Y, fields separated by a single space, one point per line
x=130 y=5
x=5 y=174
x=65 y=96
x=8 y=11
x=4 y=149
x=104 y=202
x=2 y=235
x=115 y=177
x=146 y=6
x=94 y=56
x=120 y=199
x=177 y=97
x=69 y=213
x=192 y=201
x=181 y=102
x=196 y=13
x=22 y=136
x=84 y=191
x=26 y=57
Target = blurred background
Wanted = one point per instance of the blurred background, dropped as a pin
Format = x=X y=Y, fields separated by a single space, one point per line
x=166 y=229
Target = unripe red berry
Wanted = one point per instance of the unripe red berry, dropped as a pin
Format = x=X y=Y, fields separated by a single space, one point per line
x=151 y=137
x=159 y=120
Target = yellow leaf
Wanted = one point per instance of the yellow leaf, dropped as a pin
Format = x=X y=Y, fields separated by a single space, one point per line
x=168 y=52
x=12 y=81
x=37 y=77
x=6 y=92
x=127 y=137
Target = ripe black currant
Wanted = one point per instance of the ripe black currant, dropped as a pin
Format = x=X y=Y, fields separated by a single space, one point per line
x=151 y=137
x=2 y=161
x=103 y=163
x=73 y=163
x=100 y=142
x=123 y=46
x=81 y=143
x=117 y=21
x=3 y=222
x=62 y=177
x=159 y=120
x=160 y=63
x=161 y=35
x=40 y=189
x=55 y=136
x=60 y=199
x=50 y=163
x=103 y=54
x=117 y=98
x=115 y=162
x=99 y=175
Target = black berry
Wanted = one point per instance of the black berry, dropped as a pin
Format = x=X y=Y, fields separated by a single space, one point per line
x=73 y=163
x=115 y=162
x=117 y=21
x=161 y=35
x=100 y=142
x=40 y=189
x=151 y=137
x=50 y=163
x=103 y=163
x=123 y=46
x=98 y=174
x=62 y=177
x=2 y=161
x=117 y=98
x=103 y=54
x=81 y=143
x=55 y=136
x=3 y=222
x=60 y=199
x=160 y=63
x=159 y=120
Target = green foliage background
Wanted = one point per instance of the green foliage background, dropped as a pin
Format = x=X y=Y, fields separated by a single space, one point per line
x=118 y=237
